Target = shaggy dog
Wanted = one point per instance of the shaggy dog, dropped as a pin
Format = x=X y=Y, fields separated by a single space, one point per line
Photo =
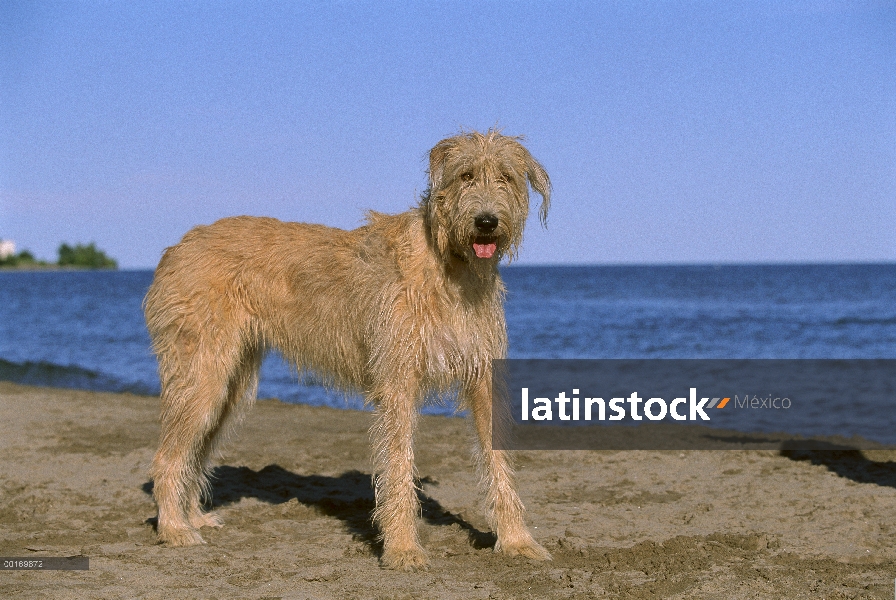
x=404 y=306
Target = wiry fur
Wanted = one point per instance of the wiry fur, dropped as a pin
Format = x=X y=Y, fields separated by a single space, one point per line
x=396 y=308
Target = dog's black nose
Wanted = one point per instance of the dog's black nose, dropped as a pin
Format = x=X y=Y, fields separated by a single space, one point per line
x=486 y=224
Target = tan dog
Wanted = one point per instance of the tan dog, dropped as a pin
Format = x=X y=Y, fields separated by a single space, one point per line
x=406 y=305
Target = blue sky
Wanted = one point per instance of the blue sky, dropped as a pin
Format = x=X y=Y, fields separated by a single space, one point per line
x=674 y=132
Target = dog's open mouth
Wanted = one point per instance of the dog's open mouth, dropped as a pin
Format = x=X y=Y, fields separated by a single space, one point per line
x=485 y=246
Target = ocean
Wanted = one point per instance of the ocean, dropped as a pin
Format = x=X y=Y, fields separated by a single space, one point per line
x=85 y=329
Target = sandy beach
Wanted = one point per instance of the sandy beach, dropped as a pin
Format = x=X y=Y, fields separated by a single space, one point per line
x=294 y=488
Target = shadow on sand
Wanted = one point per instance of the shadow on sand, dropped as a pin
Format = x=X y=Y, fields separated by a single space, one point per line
x=847 y=462
x=348 y=497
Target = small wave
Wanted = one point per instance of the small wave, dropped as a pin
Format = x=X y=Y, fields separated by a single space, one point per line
x=864 y=321
x=47 y=374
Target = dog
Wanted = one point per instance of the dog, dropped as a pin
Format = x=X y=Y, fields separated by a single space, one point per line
x=403 y=307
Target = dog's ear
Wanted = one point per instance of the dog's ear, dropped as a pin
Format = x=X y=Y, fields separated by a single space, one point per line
x=438 y=156
x=541 y=183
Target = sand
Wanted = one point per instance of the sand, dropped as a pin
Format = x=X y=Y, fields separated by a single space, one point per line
x=294 y=488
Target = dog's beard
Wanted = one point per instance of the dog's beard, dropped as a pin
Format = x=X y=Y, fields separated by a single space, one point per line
x=483 y=269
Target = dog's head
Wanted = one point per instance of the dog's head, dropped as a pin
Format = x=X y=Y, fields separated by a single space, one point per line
x=478 y=197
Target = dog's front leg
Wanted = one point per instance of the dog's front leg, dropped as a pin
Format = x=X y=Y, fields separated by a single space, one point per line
x=397 y=505
x=505 y=510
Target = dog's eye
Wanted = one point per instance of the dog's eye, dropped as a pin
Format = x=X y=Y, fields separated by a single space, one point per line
x=504 y=178
x=466 y=177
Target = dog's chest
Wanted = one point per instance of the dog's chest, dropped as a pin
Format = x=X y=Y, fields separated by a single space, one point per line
x=461 y=339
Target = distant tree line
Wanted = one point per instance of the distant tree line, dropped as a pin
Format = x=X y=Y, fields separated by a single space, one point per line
x=86 y=256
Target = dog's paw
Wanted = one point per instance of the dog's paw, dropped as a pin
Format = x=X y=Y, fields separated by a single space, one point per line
x=409 y=559
x=528 y=548
x=209 y=519
x=180 y=537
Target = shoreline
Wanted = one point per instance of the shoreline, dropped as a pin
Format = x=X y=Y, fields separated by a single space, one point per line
x=293 y=485
x=531 y=436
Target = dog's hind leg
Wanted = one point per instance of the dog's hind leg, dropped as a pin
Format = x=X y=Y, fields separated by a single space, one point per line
x=504 y=508
x=201 y=389
x=241 y=391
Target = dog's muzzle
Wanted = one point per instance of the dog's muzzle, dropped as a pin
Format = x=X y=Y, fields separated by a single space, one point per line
x=485 y=244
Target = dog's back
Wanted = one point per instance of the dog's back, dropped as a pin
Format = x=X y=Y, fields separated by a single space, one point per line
x=263 y=283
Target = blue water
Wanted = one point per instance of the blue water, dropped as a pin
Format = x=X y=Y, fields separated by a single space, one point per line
x=85 y=329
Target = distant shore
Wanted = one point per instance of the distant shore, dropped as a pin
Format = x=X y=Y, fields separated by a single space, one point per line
x=54 y=268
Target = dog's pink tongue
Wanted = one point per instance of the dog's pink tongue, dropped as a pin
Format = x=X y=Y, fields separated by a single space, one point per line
x=484 y=250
